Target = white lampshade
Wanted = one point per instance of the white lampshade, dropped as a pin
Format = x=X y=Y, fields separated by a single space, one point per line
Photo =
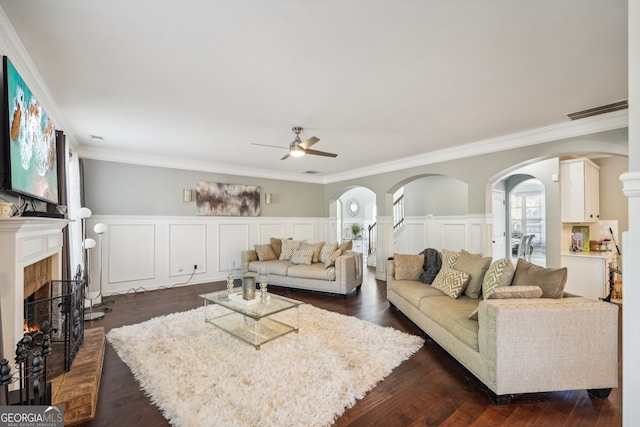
x=100 y=228
x=84 y=213
x=89 y=243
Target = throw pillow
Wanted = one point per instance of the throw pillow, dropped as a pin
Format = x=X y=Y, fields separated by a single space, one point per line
x=288 y=248
x=550 y=280
x=265 y=252
x=509 y=292
x=451 y=281
x=408 y=267
x=327 y=250
x=347 y=245
x=499 y=273
x=276 y=245
x=315 y=247
x=302 y=256
x=449 y=258
x=475 y=266
x=332 y=259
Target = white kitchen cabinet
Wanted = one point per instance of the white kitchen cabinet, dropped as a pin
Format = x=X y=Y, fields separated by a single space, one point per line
x=579 y=190
x=588 y=273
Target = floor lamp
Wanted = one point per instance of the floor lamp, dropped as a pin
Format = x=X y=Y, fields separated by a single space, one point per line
x=100 y=229
x=87 y=243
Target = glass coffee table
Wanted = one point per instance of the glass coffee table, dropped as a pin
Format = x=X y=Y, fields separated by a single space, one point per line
x=252 y=323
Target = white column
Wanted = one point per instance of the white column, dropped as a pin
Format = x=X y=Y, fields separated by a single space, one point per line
x=385 y=245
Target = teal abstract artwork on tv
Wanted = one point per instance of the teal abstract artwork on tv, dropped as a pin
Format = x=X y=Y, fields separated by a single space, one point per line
x=32 y=142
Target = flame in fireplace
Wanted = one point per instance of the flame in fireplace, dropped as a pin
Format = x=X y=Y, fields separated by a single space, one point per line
x=29 y=329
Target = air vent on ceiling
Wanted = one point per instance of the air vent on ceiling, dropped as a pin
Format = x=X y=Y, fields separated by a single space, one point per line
x=603 y=109
x=311 y=172
x=98 y=138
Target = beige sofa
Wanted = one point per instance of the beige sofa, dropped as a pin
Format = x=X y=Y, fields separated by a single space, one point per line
x=518 y=345
x=337 y=276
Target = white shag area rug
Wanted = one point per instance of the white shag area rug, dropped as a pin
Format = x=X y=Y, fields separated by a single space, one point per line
x=199 y=375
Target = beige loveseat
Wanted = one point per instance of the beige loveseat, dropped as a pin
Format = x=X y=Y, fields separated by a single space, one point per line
x=332 y=268
x=518 y=345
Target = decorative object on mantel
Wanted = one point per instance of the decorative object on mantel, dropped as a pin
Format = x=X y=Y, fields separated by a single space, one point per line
x=214 y=198
x=331 y=363
x=6 y=209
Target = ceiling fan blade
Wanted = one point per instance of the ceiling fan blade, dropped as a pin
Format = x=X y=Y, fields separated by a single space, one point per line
x=272 y=146
x=320 y=153
x=308 y=142
x=286 y=156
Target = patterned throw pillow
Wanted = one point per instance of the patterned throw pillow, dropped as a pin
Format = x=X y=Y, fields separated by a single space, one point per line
x=265 y=252
x=499 y=273
x=327 y=250
x=302 y=256
x=449 y=258
x=408 y=267
x=332 y=259
x=451 y=281
x=315 y=247
x=288 y=248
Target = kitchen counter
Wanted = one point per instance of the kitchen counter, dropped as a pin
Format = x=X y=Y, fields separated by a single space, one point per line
x=593 y=254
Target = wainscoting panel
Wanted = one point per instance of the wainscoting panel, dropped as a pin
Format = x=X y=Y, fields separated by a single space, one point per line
x=476 y=244
x=268 y=230
x=415 y=238
x=131 y=253
x=187 y=247
x=304 y=231
x=454 y=236
x=232 y=239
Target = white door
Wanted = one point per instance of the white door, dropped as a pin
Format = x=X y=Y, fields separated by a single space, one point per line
x=499 y=236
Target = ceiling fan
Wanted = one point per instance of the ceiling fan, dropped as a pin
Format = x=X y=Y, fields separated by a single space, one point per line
x=298 y=148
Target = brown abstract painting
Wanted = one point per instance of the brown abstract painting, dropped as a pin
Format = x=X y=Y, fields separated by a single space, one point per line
x=214 y=198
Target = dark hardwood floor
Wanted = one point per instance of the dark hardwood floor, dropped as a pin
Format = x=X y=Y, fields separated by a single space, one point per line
x=429 y=389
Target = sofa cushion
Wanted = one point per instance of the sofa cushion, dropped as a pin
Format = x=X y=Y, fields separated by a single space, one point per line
x=276 y=267
x=475 y=265
x=315 y=248
x=408 y=267
x=332 y=259
x=347 y=245
x=451 y=281
x=302 y=256
x=550 y=280
x=500 y=273
x=413 y=291
x=449 y=258
x=265 y=252
x=510 y=292
x=288 y=248
x=327 y=250
x=276 y=245
x=453 y=316
x=313 y=271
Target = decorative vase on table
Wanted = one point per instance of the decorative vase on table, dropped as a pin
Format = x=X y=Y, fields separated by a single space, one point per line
x=248 y=287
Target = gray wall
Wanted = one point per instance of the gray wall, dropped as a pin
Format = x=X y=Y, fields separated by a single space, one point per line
x=436 y=195
x=613 y=203
x=124 y=189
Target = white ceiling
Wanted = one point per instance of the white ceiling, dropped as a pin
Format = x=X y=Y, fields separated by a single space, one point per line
x=193 y=83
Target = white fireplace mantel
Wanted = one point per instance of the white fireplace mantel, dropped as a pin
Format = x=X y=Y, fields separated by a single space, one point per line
x=23 y=241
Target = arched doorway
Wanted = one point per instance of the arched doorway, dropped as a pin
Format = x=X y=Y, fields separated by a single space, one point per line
x=526 y=213
x=356 y=215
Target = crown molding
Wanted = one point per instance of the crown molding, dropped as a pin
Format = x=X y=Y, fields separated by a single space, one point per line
x=602 y=123
x=188 y=164
x=631 y=184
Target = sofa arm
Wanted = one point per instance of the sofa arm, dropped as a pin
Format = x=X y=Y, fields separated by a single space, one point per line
x=245 y=258
x=391 y=271
x=543 y=344
x=349 y=270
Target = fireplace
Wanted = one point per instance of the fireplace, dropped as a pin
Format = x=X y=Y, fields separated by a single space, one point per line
x=26 y=242
x=56 y=308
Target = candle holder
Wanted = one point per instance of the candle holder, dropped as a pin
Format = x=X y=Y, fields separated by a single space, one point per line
x=263 y=278
x=231 y=265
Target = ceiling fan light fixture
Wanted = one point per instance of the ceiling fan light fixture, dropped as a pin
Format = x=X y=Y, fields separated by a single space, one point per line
x=295 y=150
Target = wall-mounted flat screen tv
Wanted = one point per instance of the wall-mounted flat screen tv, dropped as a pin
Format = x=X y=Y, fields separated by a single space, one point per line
x=29 y=140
